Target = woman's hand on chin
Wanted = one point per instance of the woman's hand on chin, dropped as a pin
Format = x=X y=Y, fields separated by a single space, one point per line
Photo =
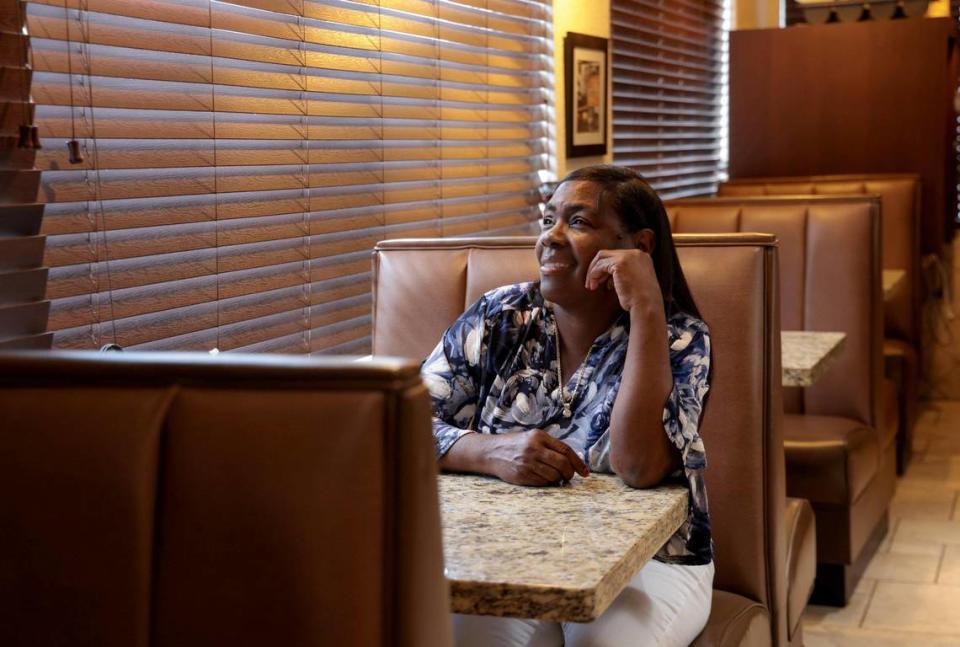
x=533 y=458
x=628 y=271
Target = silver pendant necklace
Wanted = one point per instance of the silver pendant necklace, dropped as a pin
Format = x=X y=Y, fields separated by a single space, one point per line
x=567 y=398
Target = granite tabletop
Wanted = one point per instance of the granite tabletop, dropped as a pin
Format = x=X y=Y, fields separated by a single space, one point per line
x=806 y=354
x=555 y=553
x=891 y=282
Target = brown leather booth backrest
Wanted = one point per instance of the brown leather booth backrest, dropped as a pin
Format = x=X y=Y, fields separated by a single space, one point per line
x=421 y=286
x=829 y=280
x=900 y=201
x=178 y=499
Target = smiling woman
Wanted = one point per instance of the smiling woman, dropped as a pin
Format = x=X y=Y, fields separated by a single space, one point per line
x=611 y=303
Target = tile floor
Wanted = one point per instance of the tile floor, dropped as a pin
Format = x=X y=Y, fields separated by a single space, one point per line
x=910 y=593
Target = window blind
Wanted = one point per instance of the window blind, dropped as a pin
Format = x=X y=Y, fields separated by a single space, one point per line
x=670 y=92
x=242 y=158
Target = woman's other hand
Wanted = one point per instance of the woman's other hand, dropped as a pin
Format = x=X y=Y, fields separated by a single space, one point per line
x=628 y=271
x=533 y=458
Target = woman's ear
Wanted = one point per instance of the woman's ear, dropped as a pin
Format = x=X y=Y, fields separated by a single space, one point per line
x=644 y=240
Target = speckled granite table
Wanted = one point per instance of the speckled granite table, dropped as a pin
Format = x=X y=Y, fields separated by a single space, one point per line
x=891 y=282
x=557 y=553
x=805 y=354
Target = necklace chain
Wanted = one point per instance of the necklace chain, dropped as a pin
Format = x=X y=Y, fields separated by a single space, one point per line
x=566 y=399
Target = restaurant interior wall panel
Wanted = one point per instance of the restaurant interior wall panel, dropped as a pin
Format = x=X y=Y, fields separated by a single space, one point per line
x=241 y=158
x=861 y=97
x=669 y=75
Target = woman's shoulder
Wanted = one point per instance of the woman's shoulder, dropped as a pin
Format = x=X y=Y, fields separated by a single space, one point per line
x=685 y=330
x=685 y=321
x=519 y=296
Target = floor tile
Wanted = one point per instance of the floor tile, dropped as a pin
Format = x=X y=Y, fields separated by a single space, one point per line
x=903 y=567
x=928 y=415
x=920 y=446
x=919 y=531
x=916 y=501
x=853 y=637
x=932 y=547
x=950 y=568
x=926 y=608
x=865 y=585
x=942 y=445
x=928 y=412
x=848 y=616
x=939 y=467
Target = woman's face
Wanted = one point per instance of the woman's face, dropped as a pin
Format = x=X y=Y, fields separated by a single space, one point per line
x=573 y=230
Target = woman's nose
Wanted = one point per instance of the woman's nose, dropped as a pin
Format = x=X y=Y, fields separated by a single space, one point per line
x=554 y=234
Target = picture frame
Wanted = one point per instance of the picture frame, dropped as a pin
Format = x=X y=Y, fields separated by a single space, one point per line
x=585 y=74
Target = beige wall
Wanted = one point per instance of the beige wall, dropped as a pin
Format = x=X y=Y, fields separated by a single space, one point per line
x=591 y=18
x=756 y=14
x=938 y=8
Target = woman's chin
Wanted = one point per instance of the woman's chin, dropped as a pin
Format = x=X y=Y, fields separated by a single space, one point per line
x=561 y=289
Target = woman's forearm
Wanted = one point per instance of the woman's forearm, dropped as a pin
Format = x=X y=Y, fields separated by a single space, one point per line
x=468 y=454
x=640 y=451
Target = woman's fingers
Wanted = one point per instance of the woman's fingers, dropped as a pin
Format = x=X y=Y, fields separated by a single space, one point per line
x=545 y=471
x=558 y=461
x=600 y=270
x=562 y=448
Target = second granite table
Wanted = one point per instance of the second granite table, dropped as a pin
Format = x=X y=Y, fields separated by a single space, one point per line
x=891 y=282
x=805 y=354
x=554 y=553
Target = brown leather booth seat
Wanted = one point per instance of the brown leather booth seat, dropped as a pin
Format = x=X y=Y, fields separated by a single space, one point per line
x=900 y=205
x=421 y=286
x=839 y=433
x=180 y=499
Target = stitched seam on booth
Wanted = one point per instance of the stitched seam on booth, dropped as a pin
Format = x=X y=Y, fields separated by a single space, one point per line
x=156 y=534
x=729 y=626
x=771 y=280
x=392 y=495
x=373 y=300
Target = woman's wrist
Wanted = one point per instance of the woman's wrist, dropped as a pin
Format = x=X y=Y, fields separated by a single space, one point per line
x=470 y=453
x=644 y=314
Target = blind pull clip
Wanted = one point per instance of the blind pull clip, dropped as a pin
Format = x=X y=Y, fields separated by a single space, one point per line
x=29 y=137
x=76 y=157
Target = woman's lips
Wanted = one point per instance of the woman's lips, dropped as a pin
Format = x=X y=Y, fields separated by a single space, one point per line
x=554 y=267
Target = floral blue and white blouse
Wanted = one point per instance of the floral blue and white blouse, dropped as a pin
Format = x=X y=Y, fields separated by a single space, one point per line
x=495 y=370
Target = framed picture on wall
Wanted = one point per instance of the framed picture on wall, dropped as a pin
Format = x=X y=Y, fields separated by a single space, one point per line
x=585 y=94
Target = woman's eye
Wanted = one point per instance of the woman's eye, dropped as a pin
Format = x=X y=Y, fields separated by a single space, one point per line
x=546 y=223
x=577 y=221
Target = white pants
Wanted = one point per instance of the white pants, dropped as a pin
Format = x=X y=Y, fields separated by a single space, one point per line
x=665 y=605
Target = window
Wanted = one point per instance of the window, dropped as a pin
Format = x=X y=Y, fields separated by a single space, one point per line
x=670 y=92
x=241 y=158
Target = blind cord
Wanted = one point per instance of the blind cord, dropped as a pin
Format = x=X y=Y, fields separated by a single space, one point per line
x=216 y=183
x=307 y=224
x=73 y=146
x=87 y=62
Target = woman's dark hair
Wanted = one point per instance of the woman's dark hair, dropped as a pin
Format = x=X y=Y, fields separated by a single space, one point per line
x=639 y=207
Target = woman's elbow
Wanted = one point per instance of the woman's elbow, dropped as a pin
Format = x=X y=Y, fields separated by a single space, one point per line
x=640 y=476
